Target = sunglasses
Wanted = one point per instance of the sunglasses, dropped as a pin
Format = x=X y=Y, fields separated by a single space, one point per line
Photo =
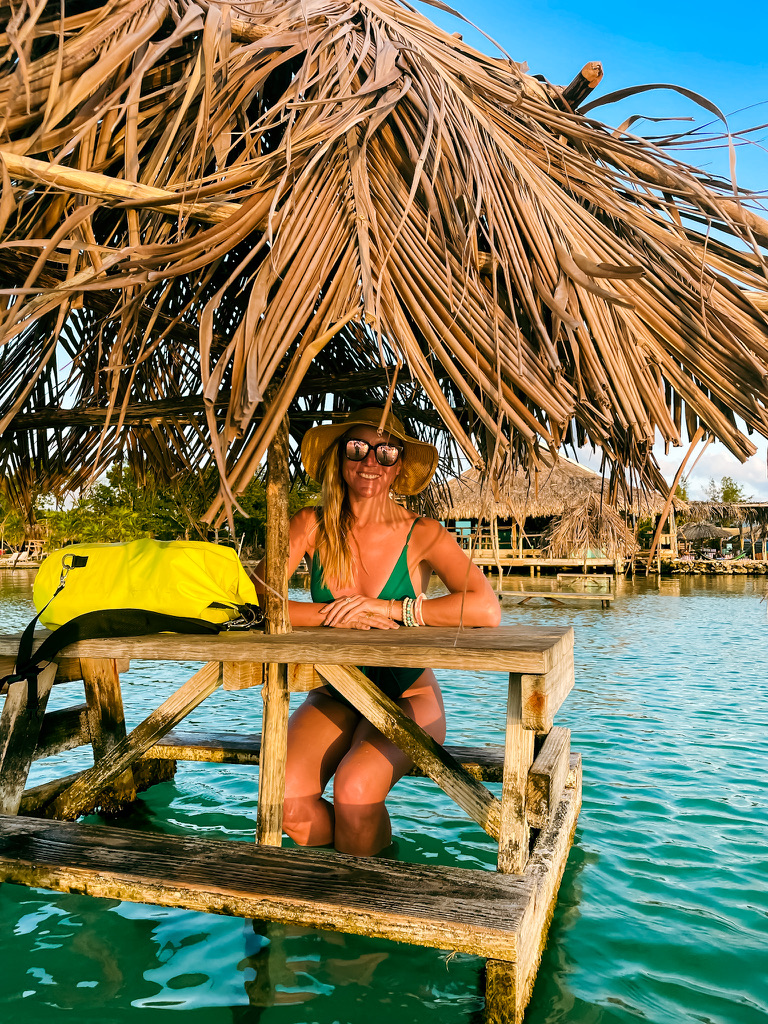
x=356 y=450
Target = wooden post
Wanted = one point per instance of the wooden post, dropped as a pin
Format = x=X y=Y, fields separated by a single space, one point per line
x=19 y=731
x=269 y=821
x=106 y=719
x=518 y=758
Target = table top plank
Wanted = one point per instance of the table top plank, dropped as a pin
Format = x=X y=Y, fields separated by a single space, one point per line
x=503 y=649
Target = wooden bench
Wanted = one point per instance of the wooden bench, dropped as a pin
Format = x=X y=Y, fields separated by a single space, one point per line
x=556 y=597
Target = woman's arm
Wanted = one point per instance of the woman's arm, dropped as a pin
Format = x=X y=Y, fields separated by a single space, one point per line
x=471 y=601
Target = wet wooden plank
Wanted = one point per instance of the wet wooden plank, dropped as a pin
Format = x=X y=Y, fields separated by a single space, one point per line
x=471 y=911
x=509 y=982
x=20 y=725
x=548 y=776
x=106 y=719
x=503 y=649
x=484 y=763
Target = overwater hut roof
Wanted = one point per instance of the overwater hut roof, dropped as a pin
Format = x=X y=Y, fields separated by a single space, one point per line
x=212 y=214
x=550 y=492
x=704 y=531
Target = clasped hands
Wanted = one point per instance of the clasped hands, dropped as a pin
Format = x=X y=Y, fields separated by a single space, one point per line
x=358 y=612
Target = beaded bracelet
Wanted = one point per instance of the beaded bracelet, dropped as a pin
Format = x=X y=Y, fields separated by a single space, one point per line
x=417 y=613
x=409 y=619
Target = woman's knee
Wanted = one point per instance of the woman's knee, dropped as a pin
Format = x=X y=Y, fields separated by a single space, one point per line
x=356 y=785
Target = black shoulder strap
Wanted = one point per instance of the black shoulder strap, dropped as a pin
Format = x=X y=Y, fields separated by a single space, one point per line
x=100 y=625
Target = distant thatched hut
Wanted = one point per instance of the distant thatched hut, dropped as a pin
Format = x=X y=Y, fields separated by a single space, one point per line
x=524 y=507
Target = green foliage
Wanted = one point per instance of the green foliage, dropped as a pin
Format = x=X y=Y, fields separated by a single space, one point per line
x=122 y=509
x=726 y=491
x=682 y=489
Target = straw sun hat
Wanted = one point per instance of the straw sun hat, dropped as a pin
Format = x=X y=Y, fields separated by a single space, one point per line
x=418 y=461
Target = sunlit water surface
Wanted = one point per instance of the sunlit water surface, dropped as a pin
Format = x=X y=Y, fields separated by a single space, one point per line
x=662 y=914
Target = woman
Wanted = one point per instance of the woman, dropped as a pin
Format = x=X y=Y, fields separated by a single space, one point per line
x=371 y=562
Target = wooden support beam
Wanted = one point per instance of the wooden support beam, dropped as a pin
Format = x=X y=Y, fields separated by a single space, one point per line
x=125 y=753
x=106 y=721
x=514 y=833
x=63 y=730
x=269 y=822
x=548 y=776
x=590 y=76
x=242 y=675
x=433 y=759
x=20 y=724
x=113 y=190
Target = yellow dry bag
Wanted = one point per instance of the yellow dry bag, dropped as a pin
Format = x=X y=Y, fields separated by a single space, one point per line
x=191 y=579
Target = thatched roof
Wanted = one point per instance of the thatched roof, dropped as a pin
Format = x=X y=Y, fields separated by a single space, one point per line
x=213 y=214
x=551 y=492
x=589 y=525
x=704 y=531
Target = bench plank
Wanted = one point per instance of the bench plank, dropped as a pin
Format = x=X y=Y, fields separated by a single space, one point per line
x=484 y=763
x=471 y=911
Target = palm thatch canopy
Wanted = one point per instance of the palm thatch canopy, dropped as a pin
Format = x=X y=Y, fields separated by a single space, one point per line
x=211 y=215
x=587 y=525
x=551 y=492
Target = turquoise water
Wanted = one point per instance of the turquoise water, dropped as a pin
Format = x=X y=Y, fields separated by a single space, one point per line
x=663 y=910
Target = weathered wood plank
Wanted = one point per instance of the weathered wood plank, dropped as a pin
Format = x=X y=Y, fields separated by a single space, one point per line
x=63 y=730
x=548 y=776
x=20 y=724
x=514 y=834
x=470 y=911
x=242 y=675
x=503 y=649
x=147 y=772
x=106 y=721
x=170 y=713
x=302 y=678
x=509 y=983
x=433 y=760
x=67 y=669
x=545 y=871
x=483 y=763
x=544 y=694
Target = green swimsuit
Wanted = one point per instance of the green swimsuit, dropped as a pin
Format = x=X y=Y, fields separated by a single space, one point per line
x=393 y=681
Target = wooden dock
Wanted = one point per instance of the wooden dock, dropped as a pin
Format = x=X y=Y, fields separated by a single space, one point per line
x=555 y=597
x=500 y=915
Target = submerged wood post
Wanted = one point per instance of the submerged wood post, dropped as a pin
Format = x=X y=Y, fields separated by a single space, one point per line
x=269 y=821
x=19 y=732
x=518 y=758
x=106 y=719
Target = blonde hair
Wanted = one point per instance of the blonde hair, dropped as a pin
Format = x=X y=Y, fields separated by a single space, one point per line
x=334 y=524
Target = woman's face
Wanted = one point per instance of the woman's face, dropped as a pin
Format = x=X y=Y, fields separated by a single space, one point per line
x=368 y=479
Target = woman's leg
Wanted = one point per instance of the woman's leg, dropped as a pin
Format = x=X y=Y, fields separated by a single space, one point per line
x=372 y=766
x=319 y=734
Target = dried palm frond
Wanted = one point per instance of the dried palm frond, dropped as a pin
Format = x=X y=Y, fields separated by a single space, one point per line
x=199 y=202
x=590 y=525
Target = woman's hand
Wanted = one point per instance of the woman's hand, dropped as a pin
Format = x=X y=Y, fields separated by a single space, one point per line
x=357 y=612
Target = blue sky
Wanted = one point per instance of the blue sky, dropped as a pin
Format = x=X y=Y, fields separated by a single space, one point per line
x=718 y=51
